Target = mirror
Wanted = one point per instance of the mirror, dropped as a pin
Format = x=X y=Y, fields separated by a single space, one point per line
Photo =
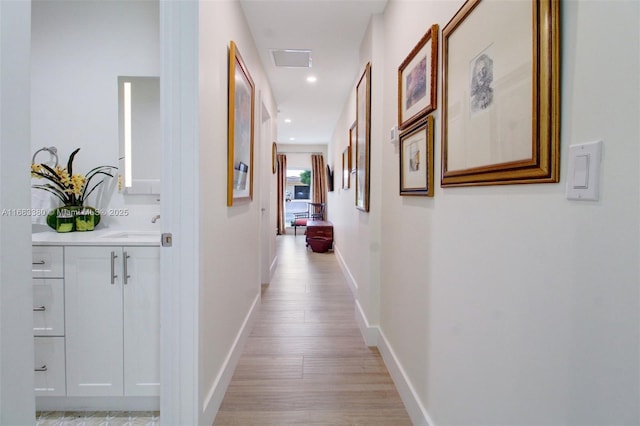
x=139 y=129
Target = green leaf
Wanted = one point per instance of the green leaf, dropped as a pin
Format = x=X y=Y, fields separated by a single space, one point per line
x=70 y=163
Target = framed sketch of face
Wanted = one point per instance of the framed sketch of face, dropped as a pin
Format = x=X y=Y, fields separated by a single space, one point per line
x=501 y=97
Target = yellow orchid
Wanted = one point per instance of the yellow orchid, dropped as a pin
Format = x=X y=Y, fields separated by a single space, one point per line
x=72 y=189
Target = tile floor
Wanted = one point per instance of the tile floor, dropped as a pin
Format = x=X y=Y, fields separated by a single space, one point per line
x=306 y=362
x=98 y=418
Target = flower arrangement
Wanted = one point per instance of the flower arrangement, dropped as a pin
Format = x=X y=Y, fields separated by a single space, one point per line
x=72 y=189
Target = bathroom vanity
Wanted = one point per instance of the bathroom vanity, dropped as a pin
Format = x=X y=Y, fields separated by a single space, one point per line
x=96 y=320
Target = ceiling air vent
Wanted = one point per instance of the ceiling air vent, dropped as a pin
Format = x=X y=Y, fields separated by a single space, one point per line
x=292 y=58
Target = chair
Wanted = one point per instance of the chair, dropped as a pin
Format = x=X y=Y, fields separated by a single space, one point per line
x=315 y=211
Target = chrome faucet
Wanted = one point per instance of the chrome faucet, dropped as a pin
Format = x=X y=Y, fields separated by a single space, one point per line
x=155 y=218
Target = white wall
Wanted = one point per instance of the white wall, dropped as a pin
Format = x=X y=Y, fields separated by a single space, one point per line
x=510 y=304
x=229 y=251
x=17 y=402
x=358 y=233
x=299 y=156
x=79 y=49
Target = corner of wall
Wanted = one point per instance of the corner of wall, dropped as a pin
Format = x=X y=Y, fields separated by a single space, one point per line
x=215 y=395
x=409 y=396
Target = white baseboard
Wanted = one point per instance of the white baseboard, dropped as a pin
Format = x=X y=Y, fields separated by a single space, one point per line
x=219 y=387
x=97 y=403
x=353 y=284
x=373 y=336
x=273 y=267
x=415 y=409
x=369 y=332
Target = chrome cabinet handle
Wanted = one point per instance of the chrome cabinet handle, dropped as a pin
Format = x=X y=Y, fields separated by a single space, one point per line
x=43 y=368
x=114 y=256
x=126 y=268
x=40 y=309
x=38 y=262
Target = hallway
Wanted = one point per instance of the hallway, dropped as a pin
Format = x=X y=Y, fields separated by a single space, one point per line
x=305 y=361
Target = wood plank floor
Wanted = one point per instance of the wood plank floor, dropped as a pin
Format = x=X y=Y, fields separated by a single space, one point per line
x=305 y=362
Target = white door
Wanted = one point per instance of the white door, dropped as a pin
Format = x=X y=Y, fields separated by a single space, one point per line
x=179 y=208
x=141 y=321
x=267 y=228
x=17 y=403
x=93 y=319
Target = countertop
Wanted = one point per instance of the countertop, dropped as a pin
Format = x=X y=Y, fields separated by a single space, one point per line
x=99 y=237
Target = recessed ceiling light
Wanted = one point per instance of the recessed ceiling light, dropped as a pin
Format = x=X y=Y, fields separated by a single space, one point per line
x=312 y=79
x=287 y=120
x=292 y=139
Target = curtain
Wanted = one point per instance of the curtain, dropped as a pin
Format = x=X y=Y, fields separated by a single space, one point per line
x=319 y=183
x=282 y=185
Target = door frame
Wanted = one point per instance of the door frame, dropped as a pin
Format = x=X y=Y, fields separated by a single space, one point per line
x=267 y=225
x=179 y=281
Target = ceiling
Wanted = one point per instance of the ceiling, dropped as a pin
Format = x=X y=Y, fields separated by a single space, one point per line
x=333 y=31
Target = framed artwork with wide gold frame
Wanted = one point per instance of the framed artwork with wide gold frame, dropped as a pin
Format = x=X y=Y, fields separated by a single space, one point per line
x=418 y=80
x=240 y=129
x=501 y=93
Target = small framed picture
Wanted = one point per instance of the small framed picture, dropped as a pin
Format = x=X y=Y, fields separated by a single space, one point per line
x=416 y=159
x=352 y=148
x=274 y=158
x=418 y=80
x=346 y=168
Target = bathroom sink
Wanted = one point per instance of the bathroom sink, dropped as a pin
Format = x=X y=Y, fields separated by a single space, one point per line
x=132 y=234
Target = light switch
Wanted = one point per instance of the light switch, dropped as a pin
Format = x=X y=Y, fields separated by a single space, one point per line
x=583 y=181
x=393 y=134
x=581 y=172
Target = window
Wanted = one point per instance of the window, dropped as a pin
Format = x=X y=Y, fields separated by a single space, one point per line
x=297 y=192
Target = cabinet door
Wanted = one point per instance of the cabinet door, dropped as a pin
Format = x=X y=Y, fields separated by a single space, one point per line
x=142 y=321
x=49 y=366
x=46 y=262
x=48 y=306
x=93 y=317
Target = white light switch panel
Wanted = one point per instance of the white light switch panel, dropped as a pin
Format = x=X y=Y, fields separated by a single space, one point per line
x=393 y=134
x=583 y=178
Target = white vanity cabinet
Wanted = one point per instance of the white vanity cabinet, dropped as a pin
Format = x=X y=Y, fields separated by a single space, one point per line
x=112 y=317
x=48 y=320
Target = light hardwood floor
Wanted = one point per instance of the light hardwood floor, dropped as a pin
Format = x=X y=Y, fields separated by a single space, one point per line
x=305 y=362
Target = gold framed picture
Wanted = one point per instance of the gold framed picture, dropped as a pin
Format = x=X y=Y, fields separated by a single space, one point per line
x=363 y=139
x=352 y=148
x=346 y=168
x=501 y=93
x=240 y=129
x=274 y=158
x=418 y=80
x=416 y=159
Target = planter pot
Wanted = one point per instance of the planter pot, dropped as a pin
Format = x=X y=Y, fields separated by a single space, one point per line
x=73 y=218
x=319 y=244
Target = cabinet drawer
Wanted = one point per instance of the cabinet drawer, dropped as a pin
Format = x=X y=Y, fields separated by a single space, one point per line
x=320 y=232
x=47 y=262
x=49 y=366
x=48 y=307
